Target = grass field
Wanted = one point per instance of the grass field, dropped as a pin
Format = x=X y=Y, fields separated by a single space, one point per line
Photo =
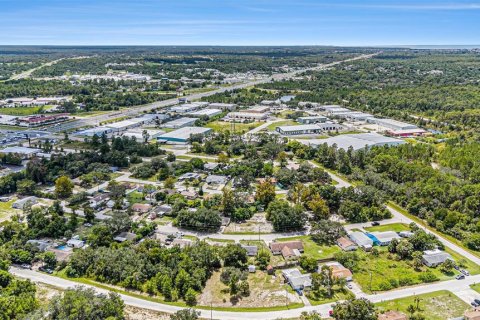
x=383 y=269
x=476 y=287
x=438 y=305
x=312 y=249
x=336 y=297
x=6 y=210
x=222 y=126
x=20 y=111
x=397 y=227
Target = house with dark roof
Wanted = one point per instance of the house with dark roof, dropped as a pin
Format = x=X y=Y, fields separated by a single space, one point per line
x=251 y=250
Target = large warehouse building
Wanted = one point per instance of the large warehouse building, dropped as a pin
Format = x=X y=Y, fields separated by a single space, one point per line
x=205 y=113
x=308 y=128
x=392 y=124
x=180 y=123
x=247 y=116
x=182 y=135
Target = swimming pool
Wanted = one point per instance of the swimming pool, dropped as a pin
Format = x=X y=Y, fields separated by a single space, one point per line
x=374 y=239
x=63 y=247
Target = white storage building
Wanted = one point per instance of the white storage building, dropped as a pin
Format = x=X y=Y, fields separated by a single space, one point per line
x=205 y=113
x=356 y=141
x=180 y=123
x=392 y=124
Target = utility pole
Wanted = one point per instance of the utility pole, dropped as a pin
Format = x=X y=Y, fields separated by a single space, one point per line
x=211 y=310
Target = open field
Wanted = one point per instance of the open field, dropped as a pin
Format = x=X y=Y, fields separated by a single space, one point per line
x=379 y=273
x=439 y=305
x=20 y=111
x=6 y=210
x=312 y=249
x=222 y=126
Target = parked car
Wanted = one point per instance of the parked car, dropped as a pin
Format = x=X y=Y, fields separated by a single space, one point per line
x=375 y=223
x=460 y=277
x=46 y=270
x=474 y=304
x=349 y=286
x=465 y=272
x=26 y=266
x=477 y=301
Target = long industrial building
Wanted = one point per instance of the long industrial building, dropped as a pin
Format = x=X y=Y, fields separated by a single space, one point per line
x=205 y=113
x=308 y=128
x=392 y=124
x=181 y=136
x=356 y=141
x=247 y=116
x=180 y=123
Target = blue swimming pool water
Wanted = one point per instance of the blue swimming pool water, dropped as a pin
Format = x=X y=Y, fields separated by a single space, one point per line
x=374 y=239
x=63 y=248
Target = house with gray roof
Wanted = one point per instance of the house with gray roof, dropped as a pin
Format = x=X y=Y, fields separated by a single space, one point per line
x=433 y=258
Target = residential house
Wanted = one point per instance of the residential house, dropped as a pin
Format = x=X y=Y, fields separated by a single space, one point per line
x=251 y=268
x=216 y=180
x=75 y=243
x=297 y=280
x=251 y=250
x=433 y=258
x=162 y=210
x=277 y=247
x=338 y=271
x=190 y=195
x=210 y=166
x=290 y=254
x=125 y=236
x=362 y=240
x=41 y=245
x=20 y=204
x=141 y=207
x=99 y=200
x=383 y=238
x=346 y=244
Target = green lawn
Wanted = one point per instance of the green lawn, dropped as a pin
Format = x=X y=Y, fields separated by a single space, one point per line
x=397 y=227
x=438 y=305
x=476 y=287
x=135 y=197
x=384 y=269
x=336 y=297
x=20 y=111
x=312 y=249
x=6 y=209
x=222 y=126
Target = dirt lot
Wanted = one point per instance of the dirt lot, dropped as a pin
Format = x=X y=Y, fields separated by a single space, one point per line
x=265 y=291
x=256 y=223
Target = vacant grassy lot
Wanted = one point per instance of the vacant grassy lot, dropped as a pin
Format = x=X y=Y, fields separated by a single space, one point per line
x=20 y=111
x=266 y=291
x=6 y=210
x=312 y=249
x=135 y=197
x=476 y=287
x=222 y=126
x=438 y=305
x=384 y=270
x=397 y=227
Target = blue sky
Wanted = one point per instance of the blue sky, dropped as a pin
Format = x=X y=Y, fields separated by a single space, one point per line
x=239 y=22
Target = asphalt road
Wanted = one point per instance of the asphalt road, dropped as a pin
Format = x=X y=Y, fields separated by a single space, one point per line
x=95 y=120
x=455 y=286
